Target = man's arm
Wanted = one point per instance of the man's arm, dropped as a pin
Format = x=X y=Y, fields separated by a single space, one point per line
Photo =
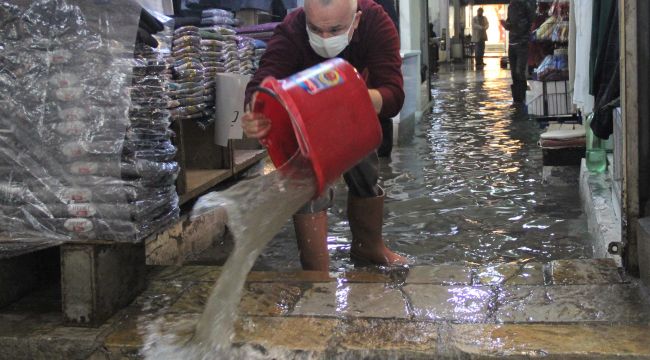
x=505 y=25
x=475 y=23
x=518 y=18
x=279 y=60
x=385 y=67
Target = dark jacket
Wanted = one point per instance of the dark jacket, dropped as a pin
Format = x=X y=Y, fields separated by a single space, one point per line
x=604 y=66
x=520 y=18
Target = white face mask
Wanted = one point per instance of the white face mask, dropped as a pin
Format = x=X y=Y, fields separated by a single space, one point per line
x=331 y=46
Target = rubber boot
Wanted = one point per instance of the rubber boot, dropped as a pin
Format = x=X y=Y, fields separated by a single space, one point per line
x=517 y=98
x=311 y=234
x=366 y=216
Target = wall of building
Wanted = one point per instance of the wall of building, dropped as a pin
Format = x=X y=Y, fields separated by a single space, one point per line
x=410 y=24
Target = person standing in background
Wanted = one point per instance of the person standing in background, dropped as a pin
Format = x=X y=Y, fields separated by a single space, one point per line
x=518 y=24
x=433 y=42
x=480 y=25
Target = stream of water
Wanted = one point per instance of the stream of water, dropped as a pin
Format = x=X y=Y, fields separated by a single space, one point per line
x=256 y=210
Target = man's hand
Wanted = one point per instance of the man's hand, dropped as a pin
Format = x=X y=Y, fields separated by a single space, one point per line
x=377 y=100
x=255 y=125
x=503 y=23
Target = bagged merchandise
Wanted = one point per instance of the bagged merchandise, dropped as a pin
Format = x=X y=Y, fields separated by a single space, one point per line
x=219 y=50
x=260 y=48
x=218 y=17
x=85 y=147
x=188 y=83
x=246 y=54
x=554 y=67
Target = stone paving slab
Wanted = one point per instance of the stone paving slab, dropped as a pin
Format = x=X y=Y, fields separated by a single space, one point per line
x=318 y=276
x=158 y=295
x=293 y=333
x=44 y=336
x=584 y=271
x=298 y=276
x=450 y=303
x=127 y=334
x=511 y=274
x=443 y=274
x=352 y=300
x=401 y=337
x=573 y=303
x=375 y=315
x=184 y=273
x=550 y=341
x=263 y=299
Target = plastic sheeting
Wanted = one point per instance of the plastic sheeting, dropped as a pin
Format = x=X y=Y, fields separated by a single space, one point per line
x=85 y=149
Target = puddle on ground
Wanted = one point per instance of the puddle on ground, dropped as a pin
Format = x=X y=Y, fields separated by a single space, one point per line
x=469 y=187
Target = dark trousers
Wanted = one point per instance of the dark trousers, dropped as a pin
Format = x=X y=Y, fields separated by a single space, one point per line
x=361 y=180
x=386 y=146
x=480 y=51
x=518 y=58
x=433 y=58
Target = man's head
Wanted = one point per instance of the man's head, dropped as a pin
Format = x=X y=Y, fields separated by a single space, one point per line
x=480 y=11
x=330 y=25
x=328 y=18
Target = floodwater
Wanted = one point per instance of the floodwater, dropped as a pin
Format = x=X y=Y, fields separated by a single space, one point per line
x=276 y=196
x=468 y=187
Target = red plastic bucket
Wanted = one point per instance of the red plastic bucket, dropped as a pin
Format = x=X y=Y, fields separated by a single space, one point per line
x=326 y=113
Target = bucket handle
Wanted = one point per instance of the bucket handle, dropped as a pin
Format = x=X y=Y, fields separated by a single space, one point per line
x=277 y=98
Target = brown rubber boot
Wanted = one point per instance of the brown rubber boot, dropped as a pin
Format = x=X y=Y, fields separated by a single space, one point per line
x=366 y=216
x=311 y=233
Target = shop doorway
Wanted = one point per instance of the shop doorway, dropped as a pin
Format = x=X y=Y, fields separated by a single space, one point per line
x=497 y=43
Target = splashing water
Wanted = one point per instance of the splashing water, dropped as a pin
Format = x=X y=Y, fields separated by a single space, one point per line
x=256 y=210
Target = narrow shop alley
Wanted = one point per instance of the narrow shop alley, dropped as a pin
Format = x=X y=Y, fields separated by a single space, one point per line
x=509 y=276
x=145 y=214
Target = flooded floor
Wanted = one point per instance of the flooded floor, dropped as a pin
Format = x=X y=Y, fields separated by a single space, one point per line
x=468 y=187
x=465 y=199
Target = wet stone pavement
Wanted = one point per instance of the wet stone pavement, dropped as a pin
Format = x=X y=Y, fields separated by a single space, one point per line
x=564 y=309
x=501 y=266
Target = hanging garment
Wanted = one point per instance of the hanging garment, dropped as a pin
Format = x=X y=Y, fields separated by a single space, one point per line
x=605 y=84
x=583 y=11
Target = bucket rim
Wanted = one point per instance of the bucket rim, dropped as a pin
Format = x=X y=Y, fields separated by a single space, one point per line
x=279 y=94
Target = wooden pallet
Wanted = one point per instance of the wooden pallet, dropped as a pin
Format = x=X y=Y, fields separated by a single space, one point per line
x=98 y=277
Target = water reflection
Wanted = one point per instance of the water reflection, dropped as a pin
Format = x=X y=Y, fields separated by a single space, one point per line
x=467 y=188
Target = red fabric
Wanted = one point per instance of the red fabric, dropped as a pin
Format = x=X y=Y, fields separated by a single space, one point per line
x=563 y=143
x=374 y=49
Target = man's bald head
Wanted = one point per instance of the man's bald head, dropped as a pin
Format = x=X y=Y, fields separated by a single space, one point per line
x=325 y=3
x=330 y=17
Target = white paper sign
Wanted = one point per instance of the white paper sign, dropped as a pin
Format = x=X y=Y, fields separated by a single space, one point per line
x=229 y=106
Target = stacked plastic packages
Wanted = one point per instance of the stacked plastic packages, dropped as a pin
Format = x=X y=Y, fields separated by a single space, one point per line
x=220 y=49
x=218 y=17
x=246 y=55
x=260 y=48
x=188 y=89
x=74 y=166
x=262 y=32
